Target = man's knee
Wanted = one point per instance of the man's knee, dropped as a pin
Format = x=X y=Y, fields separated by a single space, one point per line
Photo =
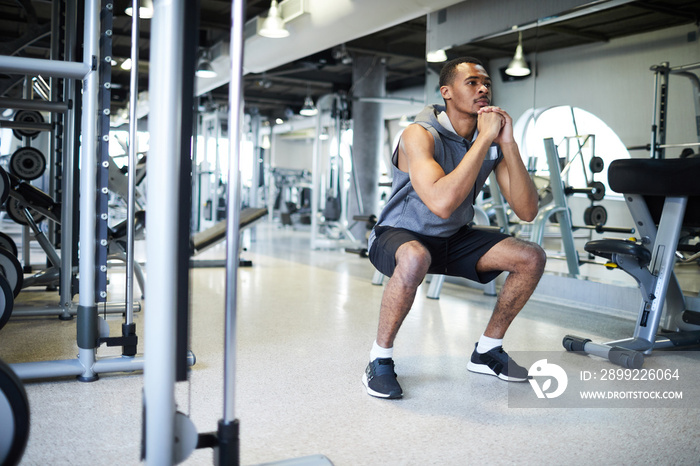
x=413 y=259
x=532 y=257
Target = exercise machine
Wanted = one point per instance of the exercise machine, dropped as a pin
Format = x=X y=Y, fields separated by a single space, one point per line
x=329 y=204
x=169 y=436
x=663 y=197
x=92 y=332
x=662 y=73
x=560 y=209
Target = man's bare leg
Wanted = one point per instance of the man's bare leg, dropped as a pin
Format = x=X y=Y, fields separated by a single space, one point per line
x=412 y=263
x=525 y=263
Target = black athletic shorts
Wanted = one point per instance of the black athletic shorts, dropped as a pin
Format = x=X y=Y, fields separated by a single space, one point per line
x=456 y=255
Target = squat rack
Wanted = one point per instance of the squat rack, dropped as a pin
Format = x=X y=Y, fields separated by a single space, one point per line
x=662 y=72
x=89 y=335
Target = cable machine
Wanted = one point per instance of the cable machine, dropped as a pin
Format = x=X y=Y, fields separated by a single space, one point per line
x=169 y=435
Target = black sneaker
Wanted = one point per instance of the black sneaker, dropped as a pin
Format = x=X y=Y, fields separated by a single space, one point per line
x=380 y=379
x=497 y=362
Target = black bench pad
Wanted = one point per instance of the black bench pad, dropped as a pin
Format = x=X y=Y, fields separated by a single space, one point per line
x=607 y=247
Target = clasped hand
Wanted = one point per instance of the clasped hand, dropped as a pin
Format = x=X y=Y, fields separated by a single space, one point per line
x=495 y=122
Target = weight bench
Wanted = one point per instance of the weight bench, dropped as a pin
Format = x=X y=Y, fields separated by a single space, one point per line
x=213 y=235
x=663 y=197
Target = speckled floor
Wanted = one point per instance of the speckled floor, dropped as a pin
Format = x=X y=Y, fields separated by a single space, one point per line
x=305 y=326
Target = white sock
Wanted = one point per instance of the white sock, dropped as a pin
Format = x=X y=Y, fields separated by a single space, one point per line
x=486 y=344
x=379 y=352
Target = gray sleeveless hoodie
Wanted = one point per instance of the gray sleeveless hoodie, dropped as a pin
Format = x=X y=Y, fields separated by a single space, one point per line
x=406 y=210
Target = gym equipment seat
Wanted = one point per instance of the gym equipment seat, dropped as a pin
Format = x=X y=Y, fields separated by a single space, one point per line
x=663 y=197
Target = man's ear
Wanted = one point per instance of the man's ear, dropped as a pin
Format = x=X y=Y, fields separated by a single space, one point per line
x=445 y=92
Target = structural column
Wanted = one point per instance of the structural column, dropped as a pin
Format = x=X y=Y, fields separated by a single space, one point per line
x=369 y=79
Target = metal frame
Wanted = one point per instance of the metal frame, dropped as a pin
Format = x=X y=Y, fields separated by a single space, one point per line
x=86 y=367
x=662 y=72
x=347 y=238
x=165 y=82
x=659 y=288
x=560 y=208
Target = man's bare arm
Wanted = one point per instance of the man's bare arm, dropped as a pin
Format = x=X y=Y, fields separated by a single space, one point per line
x=443 y=193
x=514 y=180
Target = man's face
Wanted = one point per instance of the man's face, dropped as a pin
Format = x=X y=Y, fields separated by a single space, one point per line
x=470 y=90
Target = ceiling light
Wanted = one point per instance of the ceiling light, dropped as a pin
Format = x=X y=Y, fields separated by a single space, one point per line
x=279 y=121
x=309 y=109
x=145 y=9
x=205 y=70
x=518 y=66
x=126 y=64
x=436 y=56
x=273 y=26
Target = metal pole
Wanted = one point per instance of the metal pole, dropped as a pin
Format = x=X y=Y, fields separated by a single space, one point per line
x=228 y=429
x=40 y=105
x=233 y=207
x=316 y=177
x=26 y=253
x=35 y=66
x=133 y=146
x=563 y=213
x=316 y=171
x=653 y=114
x=165 y=87
x=254 y=199
x=691 y=66
x=87 y=309
x=68 y=167
x=88 y=161
x=54 y=118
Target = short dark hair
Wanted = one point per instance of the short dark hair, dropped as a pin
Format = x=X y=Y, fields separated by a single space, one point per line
x=447 y=74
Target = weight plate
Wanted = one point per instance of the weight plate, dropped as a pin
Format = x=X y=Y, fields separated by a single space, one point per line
x=27 y=116
x=4 y=186
x=598 y=192
x=596 y=164
x=13 y=399
x=15 y=211
x=595 y=215
x=6 y=242
x=11 y=269
x=27 y=163
x=7 y=302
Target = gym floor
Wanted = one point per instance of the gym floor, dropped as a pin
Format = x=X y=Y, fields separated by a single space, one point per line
x=306 y=322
